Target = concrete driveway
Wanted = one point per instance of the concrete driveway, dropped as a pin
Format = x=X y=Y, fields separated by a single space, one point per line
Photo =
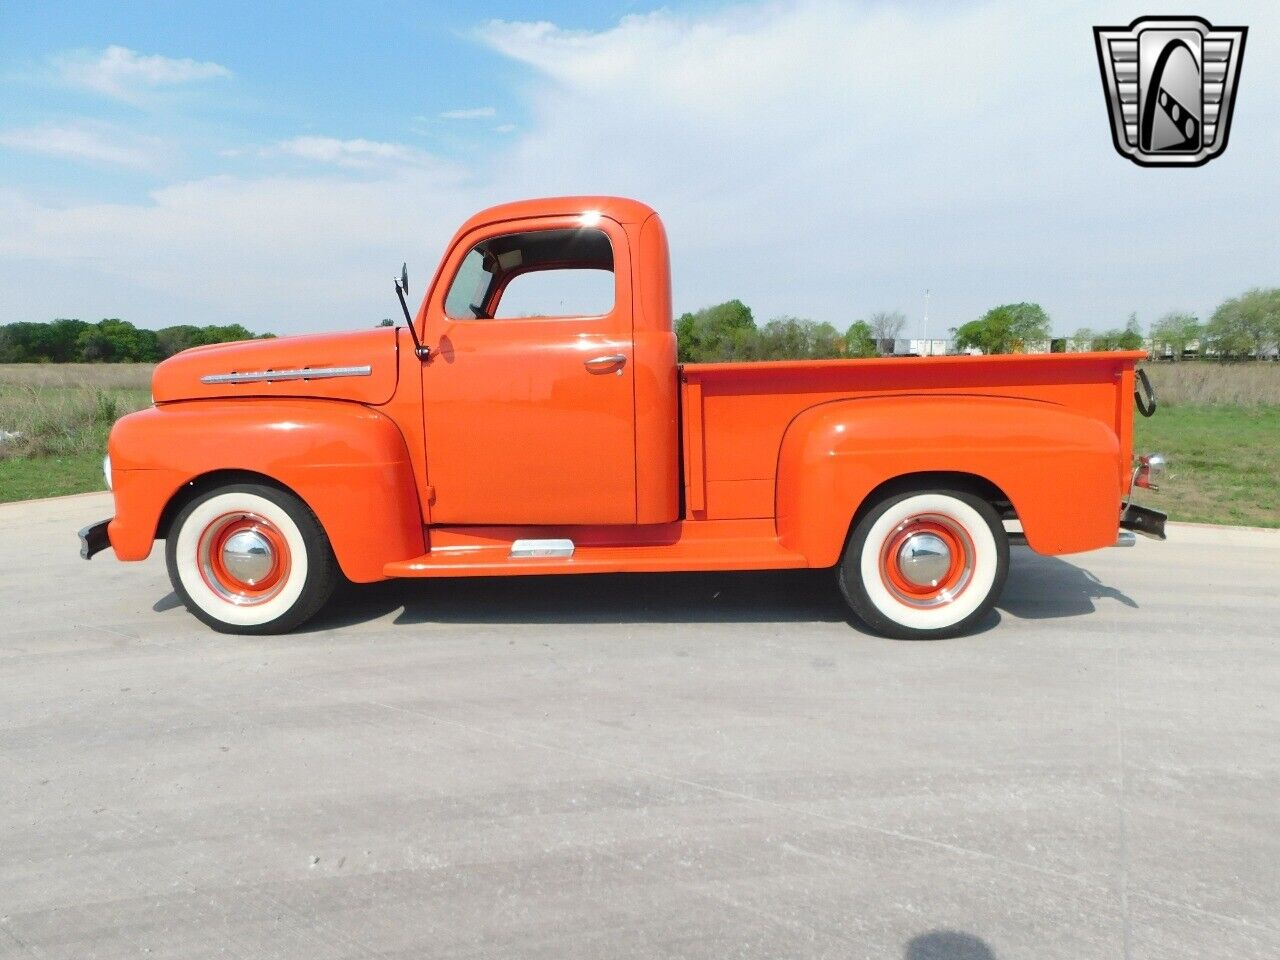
x=652 y=766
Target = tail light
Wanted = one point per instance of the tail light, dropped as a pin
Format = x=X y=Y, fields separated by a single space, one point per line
x=1150 y=471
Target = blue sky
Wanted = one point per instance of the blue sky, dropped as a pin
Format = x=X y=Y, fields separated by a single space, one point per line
x=380 y=71
x=221 y=162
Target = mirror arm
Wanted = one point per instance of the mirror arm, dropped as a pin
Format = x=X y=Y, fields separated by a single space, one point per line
x=421 y=351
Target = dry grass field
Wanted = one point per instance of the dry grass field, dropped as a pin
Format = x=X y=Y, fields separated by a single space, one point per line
x=1218 y=423
x=1195 y=384
x=55 y=419
x=94 y=376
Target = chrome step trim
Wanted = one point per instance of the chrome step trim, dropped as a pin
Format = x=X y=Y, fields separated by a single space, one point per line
x=523 y=549
x=298 y=373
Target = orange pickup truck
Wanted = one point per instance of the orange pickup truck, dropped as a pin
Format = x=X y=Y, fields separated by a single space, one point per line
x=484 y=439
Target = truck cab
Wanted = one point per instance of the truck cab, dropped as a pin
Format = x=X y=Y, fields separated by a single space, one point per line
x=552 y=368
x=532 y=419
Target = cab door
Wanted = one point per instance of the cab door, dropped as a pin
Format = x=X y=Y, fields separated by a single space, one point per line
x=529 y=400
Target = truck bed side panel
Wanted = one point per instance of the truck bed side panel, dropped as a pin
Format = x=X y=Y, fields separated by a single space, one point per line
x=1055 y=466
x=744 y=410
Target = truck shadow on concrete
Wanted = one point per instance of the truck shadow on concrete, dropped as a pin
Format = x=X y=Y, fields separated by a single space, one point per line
x=1038 y=588
x=1048 y=588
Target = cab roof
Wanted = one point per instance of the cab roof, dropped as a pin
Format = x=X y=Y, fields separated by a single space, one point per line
x=615 y=208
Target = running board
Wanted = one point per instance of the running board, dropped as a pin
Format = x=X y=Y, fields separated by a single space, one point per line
x=476 y=552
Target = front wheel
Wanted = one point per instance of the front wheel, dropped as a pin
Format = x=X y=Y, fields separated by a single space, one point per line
x=250 y=558
x=925 y=564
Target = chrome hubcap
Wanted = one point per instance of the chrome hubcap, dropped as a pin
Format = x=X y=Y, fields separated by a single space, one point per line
x=243 y=558
x=924 y=559
x=248 y=557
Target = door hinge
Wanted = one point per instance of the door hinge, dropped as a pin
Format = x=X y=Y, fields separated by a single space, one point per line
x=430 y=493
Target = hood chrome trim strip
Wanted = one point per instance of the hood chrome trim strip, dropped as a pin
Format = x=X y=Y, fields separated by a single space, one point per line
x=300 y=373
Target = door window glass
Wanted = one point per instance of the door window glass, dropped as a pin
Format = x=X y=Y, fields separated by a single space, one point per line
x=558 y=293
x=538 y=273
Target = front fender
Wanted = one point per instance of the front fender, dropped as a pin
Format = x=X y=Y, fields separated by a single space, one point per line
x=347 y=462
x=1057 y=467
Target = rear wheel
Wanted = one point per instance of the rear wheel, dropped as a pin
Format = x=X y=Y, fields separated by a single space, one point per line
x=925 y=564
x=250 y=558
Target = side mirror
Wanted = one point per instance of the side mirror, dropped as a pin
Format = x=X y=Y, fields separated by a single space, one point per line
x=402 y=288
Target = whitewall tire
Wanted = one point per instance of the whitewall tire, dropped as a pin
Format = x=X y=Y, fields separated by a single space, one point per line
x=250 y=558
x=925 y=564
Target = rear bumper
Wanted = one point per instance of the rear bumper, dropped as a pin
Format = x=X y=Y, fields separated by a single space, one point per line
x=94 y=539
x=1143 y=520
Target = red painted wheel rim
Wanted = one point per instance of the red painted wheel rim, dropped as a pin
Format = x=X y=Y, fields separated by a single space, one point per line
x=959 y=570
x=218 y=577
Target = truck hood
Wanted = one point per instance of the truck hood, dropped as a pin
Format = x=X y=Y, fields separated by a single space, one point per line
x=359 y=366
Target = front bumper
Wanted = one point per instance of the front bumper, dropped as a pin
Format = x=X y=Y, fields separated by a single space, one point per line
x=94 y=539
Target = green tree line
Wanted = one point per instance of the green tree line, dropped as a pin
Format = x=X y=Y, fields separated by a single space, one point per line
x=728 y=332
x=108 y=341
x=1241 y=327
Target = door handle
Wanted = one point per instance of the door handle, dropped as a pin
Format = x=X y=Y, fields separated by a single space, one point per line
x=605 y=364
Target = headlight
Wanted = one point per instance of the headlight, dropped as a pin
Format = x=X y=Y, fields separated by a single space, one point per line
x=106 y=470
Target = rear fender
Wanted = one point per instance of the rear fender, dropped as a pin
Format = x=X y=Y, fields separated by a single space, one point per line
x=347 y=462
x=1057 y=467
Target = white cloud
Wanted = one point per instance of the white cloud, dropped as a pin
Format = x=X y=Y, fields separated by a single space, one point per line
x=814 y=157
x=505 y=128
x=278 y=253
x=474 y=113
x=829 y=158
x=363 y=154
x=95 y=143
x=123 y=74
